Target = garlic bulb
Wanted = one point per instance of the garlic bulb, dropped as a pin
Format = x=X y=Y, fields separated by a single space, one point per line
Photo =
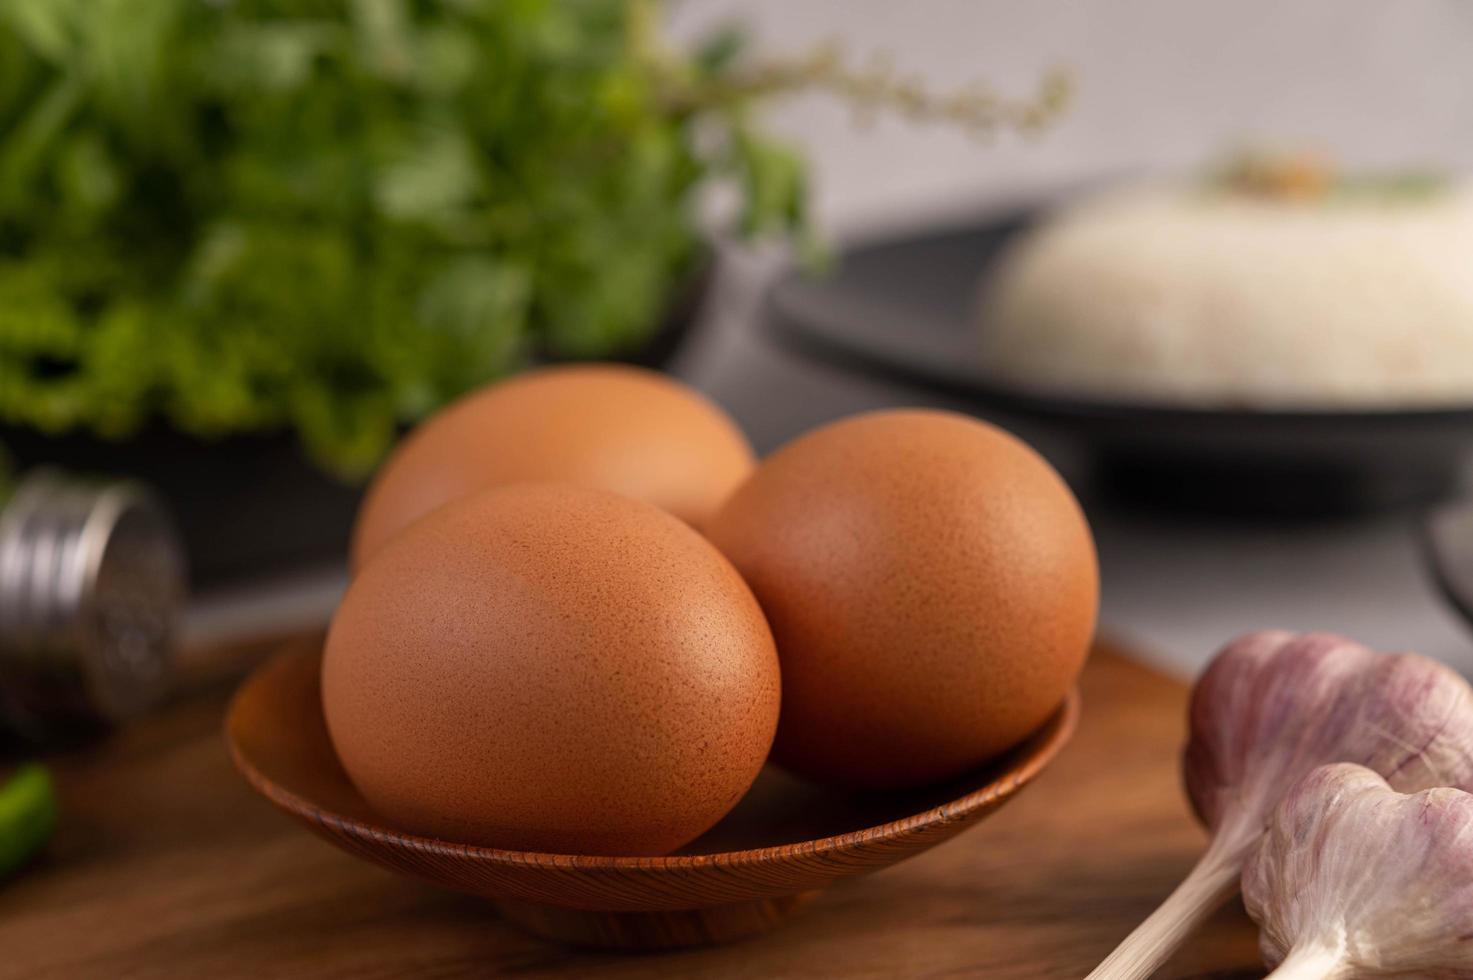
x=1354 y=879
x=1271 y=707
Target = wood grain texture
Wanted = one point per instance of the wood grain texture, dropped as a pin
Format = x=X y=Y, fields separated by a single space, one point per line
x=167 y=866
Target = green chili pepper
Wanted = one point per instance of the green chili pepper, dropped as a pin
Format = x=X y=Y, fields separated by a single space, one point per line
x=27 y=815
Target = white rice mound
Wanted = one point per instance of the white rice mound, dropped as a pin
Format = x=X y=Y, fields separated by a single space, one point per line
x=1185 y=296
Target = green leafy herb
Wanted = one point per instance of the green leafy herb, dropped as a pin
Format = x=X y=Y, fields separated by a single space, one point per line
x=1306 y=177
x=28 y=813
x=331 y=216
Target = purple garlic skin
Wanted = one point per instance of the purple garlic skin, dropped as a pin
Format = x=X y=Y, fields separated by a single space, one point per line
x=1275 y=705
x=1377 y=883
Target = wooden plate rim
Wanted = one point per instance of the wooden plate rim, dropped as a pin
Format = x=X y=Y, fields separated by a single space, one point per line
x=1051 y=738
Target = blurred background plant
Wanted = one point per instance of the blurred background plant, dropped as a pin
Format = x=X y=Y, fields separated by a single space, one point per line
x=331 y=216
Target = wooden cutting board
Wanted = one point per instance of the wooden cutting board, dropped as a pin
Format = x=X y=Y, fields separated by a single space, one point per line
x=166 y=866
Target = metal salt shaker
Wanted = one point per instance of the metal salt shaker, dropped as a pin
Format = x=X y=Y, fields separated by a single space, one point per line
x=92 y=585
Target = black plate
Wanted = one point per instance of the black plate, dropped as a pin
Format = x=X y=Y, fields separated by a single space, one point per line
x=902 y=308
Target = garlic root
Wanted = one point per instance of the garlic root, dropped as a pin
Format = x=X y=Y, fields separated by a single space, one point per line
x=1312 y=963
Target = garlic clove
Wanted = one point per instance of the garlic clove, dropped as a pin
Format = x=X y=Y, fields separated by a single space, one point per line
x=1271 y=707
x=1355 y=879
x=1274 y=705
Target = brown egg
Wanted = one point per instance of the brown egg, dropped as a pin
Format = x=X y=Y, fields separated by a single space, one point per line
x=932 y=586
x=551 y=668
x=619 y=428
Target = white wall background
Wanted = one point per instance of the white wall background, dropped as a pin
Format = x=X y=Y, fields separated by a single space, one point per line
x=1159 y=84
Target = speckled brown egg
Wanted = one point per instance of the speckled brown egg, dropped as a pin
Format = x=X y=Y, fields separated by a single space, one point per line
x=619 y=428
x=932 y=586
x=551 y=668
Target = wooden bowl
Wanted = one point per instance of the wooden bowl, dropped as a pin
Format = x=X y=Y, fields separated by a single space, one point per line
x=786 y=839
